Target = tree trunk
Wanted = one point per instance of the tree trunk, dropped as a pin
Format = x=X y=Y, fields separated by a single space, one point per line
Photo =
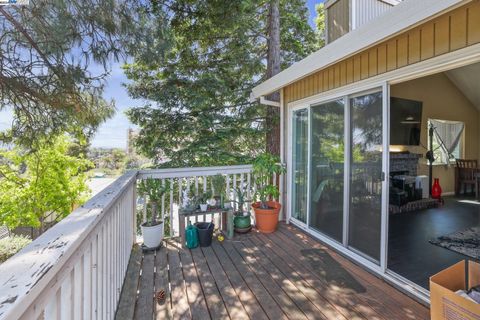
x=272 y=123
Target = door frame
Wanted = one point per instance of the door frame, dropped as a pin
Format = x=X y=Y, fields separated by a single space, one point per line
x=290 y=172
x=341 y=246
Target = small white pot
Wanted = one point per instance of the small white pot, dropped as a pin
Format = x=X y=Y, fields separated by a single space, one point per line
x=203 y=207
x=152 y=235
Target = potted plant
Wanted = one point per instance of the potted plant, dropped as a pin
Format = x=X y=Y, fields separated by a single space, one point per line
x=152 y=229
x=242 y=220
x=266 y=209
x=203 y=200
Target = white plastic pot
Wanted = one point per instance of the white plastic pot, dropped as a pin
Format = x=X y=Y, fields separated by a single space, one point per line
x=203 y=207
x=152 y=235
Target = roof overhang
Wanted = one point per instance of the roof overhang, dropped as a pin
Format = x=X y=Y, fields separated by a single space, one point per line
x=404 y=16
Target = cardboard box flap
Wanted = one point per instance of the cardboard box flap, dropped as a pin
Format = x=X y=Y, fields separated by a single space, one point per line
x=473 y=274
x=452 y=278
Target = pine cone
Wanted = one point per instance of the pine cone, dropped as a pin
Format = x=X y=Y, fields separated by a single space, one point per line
x=160 y=296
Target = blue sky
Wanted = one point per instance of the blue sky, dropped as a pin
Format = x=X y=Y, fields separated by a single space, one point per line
x=113 y=133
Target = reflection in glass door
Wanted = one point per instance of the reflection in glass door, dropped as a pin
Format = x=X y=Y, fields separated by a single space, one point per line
x=300 y=164
x=327 y=168
x=366 y=175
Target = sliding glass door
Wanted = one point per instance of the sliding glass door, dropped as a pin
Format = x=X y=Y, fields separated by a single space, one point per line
x=341 y=201
x=300 y=165
x=327 y=168
x=365 y=216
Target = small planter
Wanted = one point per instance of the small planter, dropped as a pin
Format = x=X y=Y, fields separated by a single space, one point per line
x=240 y=221
x=152 y=235
x=205 y=233
x=267 y=219
x=203 y=207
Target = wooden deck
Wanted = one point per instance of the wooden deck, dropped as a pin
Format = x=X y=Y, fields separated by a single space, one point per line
x=285 y=275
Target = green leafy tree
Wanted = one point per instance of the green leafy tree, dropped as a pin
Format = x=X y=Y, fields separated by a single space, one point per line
x=40 y=184
x=320 y=24
x=197 y=85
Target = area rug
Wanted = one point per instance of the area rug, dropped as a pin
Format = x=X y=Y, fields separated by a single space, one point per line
x=466 y=242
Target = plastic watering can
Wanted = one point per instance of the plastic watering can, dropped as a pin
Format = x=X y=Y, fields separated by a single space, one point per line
x=191 y=236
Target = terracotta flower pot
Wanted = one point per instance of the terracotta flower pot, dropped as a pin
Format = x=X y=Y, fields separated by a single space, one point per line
x=266 y=220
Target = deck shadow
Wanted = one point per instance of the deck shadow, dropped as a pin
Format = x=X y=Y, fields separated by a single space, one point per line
x=332 y=271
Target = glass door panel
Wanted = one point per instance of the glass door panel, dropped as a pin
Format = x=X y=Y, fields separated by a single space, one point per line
x=300 y=165
x=366 y=175
x=327 y=168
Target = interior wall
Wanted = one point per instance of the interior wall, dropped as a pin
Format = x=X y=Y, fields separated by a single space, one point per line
x=442 y=100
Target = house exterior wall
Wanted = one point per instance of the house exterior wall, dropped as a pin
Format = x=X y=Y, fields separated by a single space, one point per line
x=451 y=31
x=338 y=20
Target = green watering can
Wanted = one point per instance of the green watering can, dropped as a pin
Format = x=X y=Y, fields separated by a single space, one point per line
x=191 y=235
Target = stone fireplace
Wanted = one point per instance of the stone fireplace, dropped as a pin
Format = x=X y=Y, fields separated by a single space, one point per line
x=405 y=163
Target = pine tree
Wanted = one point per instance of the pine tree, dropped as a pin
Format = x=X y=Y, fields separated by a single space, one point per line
x=54 y=56
x=197 y=82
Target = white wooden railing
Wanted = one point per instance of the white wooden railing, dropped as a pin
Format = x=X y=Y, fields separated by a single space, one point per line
x=198 y=179
x=76 y=269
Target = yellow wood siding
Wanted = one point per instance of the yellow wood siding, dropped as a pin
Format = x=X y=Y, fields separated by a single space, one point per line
x=449 y=32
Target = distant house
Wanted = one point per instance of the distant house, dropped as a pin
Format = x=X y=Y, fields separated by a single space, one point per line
x=343 y=16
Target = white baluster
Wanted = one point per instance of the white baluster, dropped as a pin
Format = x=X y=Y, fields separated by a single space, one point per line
x=87 y=283
x=235 y=205
x=52 y=309
x=95 y=278
x=229 y=192
x=78 y=290
x=66 y=305
x=171 y=207
x=249 y=189
x=163 y=203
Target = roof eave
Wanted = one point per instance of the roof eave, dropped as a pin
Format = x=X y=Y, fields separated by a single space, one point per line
x=406 y=15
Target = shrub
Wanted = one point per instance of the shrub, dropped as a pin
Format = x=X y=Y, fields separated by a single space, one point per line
x=11 y=245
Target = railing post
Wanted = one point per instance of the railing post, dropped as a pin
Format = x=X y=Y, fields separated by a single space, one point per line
x=134 y=212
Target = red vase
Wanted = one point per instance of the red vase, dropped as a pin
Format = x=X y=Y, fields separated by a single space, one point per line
x=436 y=190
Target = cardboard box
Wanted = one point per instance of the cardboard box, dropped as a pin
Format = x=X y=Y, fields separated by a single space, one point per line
x=444 y=303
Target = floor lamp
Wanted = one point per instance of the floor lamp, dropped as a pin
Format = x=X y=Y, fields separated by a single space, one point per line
x=430 y=158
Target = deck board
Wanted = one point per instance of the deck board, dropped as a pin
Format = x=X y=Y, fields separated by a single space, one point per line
x=284 y=275
x=180 y=306
x=291 y=286
x=212 y=294
x=195 y=296
x=232 y=302
x=313 y=290
x=351 y=306
x=144 y=306
x=395 y=304
x=130 y=286
x=250 y=303
x=267 y=302
x=284 y=300
x=162 y=310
